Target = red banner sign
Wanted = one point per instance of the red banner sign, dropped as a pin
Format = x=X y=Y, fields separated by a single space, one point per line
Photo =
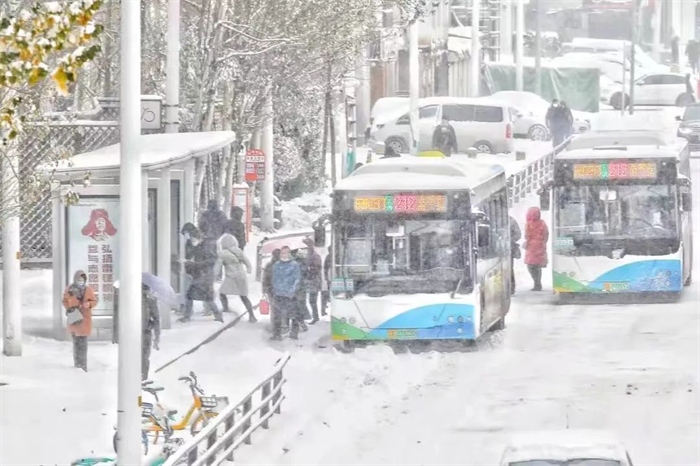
x=254 y=165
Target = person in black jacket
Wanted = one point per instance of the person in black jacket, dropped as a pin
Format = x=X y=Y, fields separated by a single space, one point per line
x=236 y=227
x=150 y=325
x=212 y=222
x=445 y=138
x=201 y=268
x=313 y=277
x=326 y=294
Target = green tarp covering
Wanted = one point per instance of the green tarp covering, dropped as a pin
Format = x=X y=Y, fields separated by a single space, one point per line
x=579 y=87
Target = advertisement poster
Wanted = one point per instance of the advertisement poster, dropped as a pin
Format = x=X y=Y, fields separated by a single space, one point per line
x=92 y=242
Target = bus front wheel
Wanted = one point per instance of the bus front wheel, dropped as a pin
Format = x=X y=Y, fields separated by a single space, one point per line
x=499 y=325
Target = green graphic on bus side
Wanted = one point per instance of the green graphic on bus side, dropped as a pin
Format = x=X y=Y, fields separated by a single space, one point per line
x=564 y=284
x=344 y=331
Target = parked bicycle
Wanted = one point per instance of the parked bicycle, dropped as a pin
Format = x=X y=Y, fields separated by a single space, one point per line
x=197 y=416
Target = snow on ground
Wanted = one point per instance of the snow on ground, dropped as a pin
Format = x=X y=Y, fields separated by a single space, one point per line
x=631 y=369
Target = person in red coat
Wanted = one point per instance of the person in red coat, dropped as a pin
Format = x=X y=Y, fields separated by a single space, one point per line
x=536 y=236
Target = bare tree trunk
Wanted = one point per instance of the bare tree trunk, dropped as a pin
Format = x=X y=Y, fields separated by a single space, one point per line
x=109 y=51
x=207 y=79
x=332 y=131
x=229 y=155
x=326 y=114
x=199 y=172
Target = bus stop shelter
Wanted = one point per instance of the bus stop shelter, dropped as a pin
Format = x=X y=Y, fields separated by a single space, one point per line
x=85 y=234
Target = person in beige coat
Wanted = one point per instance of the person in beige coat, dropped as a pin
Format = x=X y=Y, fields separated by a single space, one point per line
x=236 y=267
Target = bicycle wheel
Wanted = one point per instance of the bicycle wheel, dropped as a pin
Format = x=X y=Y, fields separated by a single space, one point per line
x=201 y=421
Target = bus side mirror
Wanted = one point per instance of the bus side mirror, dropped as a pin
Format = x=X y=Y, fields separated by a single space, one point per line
x=483 y=237
x=686 y=202
x=545 y=200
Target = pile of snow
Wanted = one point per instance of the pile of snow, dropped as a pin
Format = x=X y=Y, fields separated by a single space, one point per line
x=302 y=211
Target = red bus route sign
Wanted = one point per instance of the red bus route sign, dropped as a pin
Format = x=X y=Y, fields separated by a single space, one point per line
x=254 y=165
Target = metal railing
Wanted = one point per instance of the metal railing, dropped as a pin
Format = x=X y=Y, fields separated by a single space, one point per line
x=533 y=176
x=224 y=434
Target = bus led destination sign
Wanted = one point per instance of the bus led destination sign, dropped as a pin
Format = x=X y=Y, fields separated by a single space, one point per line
x=614 y=171
x=402 y=203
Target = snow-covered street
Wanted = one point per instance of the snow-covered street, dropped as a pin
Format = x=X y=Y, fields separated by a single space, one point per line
x=630 y=369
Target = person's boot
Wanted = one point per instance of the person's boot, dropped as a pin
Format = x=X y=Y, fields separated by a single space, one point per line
x=294 y=335
x=184 y=320
x=219 y=318
x=251 y=318
x=303 y=326
x=276 y=337
x=313 y=321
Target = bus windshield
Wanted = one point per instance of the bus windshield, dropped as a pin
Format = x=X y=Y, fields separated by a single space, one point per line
x=402 y=255
x=617 y=212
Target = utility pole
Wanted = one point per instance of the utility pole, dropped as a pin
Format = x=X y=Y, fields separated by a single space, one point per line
x=633 y=41
x=267 y=195
x=414 y=85
x=172 y=84
x=129 y=373
x=11 y=296
x=506 y=28
x=351 y=132
x=538 y=48
x=519 y=44
x=657 y=31
x=172 y=104
x=624 y=79
x=475 y=59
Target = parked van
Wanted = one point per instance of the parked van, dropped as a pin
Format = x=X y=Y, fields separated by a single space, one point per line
x=482 y=123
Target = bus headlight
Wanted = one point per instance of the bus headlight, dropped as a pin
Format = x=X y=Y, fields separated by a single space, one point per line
x=460 y=319
x=352 y=320
x=451 y=319
x=343 y=320
x=685 y=130
x=459 y=330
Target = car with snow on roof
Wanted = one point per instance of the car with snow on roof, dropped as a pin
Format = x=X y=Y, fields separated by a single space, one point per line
x=565 y=448
x=483 y=123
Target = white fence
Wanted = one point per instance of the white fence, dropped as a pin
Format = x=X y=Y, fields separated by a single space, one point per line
x=218 y=440
x=533 y=176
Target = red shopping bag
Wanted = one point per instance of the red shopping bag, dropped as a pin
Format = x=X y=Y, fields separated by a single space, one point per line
x=264 y=306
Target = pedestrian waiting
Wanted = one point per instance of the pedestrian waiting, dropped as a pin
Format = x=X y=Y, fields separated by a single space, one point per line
x=286 y=282
x=236 y=227
x=150 y=324
x=79 y=300
x=536 y=237
x=212 y=222
x=313 y=278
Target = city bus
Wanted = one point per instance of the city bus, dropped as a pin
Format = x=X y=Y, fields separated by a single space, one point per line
x=421 y=250
x=621 y=222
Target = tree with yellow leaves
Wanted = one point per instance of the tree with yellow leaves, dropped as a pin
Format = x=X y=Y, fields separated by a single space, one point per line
x=58 y=35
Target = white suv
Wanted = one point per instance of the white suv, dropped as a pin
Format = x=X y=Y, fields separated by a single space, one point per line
x=653 y=89
x=481 y=123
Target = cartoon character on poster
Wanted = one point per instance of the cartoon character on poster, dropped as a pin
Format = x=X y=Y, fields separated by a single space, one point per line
x=99 y=227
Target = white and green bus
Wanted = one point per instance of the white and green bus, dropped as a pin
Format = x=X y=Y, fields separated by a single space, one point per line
x=622 y=223
x=421 y=250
